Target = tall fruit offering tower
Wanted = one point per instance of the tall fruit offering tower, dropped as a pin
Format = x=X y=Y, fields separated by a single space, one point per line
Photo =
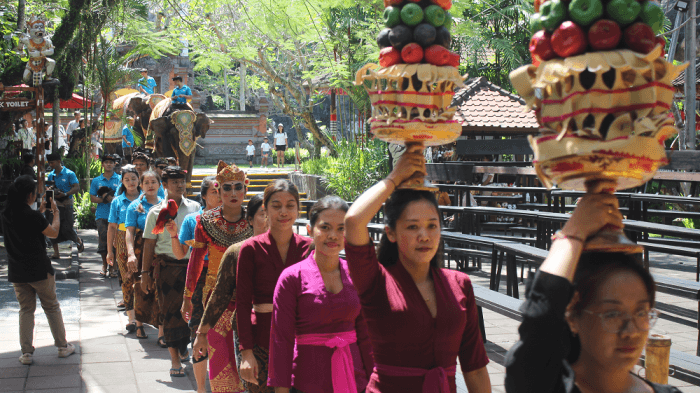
x=601 y=91
x=412 y=86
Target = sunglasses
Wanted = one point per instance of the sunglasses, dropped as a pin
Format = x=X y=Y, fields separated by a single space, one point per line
x=229 y=187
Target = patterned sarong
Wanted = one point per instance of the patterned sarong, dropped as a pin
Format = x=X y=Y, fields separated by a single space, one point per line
x=145 y=305
x=126 y=276
x=171 y=284
x=223 y=373
x=262 y=355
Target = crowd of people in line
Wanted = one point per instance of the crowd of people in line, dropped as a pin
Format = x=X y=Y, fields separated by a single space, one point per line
x=268 y=310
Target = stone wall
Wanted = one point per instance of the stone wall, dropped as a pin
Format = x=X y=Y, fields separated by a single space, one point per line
x=228 y=136
x=312 y=185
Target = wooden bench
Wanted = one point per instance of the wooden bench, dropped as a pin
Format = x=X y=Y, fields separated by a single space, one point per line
x=675 y=250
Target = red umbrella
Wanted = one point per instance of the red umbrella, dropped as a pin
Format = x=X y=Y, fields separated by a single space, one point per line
x=75 y=102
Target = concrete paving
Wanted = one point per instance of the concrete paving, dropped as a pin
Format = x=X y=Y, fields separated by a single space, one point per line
x=109 y=360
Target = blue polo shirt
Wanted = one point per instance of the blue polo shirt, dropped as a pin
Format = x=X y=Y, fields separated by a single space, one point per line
x=161 y=192
x=181 y=90
x=148 y=84
x=117 y=211
x=126 y=131
x=134 y=218
x=187 y=229
x=64 y=180
x=113 y=183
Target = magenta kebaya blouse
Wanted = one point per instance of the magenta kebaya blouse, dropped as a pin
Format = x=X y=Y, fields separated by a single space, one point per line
x=302 y=305
x=402 y=330
x=259 y=266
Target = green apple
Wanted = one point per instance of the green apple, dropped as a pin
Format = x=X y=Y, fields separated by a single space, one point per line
x=553 y=13
x=623 y=12
x=585 y=12
x=653 y=15
x=411 y=14
x=536 y=22
x=448 y=21
x=392 y=16
x=435 y=15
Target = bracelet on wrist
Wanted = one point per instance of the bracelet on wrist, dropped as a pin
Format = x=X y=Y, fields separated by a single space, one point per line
x=392 y=182
x=173 y=237
x=202 y=333
x=560 y=235
x=145 y=272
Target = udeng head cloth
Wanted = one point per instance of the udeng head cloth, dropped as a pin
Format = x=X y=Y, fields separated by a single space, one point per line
x=226 y=173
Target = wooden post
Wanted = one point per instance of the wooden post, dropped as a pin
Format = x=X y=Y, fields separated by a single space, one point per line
x=657 y=356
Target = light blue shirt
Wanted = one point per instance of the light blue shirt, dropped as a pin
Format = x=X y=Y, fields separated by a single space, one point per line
x=181 y=90
x=64 y=180
x=148 y=84
x=161 y=192
x=113 y=183
x=134 y=218
x=117 y=211
x=126 y=131
x=187 y=229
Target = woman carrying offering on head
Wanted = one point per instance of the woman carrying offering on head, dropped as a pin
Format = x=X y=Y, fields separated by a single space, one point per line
x=216 y=230
x=587 y=316
x=319 y=341
x=260 y=263
x=146 y=308
x=116 y=235
x=420 y=317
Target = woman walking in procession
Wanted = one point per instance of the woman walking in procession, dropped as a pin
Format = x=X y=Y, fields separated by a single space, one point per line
x=319 y=341
x=223 y=297
x=587 y=317
x=211 y=199
x=170 y=272
x=145 y=305
x=420 y=317
x=260 y=263
x=116 y=235
x=216 y=230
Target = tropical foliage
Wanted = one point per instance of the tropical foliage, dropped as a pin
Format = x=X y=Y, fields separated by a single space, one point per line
x=84 y=211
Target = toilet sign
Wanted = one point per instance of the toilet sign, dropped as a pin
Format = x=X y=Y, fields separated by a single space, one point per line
x=13 y=104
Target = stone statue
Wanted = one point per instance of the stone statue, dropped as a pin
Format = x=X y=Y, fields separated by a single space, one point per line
x=39 y=67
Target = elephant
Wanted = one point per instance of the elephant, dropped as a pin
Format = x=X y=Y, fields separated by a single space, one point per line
x=139 y=107
x=166 y=137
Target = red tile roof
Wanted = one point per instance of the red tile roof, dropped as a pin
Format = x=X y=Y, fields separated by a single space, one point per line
x=484 y=105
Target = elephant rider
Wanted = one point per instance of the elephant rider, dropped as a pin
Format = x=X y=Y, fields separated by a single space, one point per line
x=146 y=84
x=181 y=93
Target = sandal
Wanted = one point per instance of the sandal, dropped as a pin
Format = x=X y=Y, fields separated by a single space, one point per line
x=161 y=342
x=113 y=274
x=103 y=274
x=131 y=327
x=140 y=329
x=121 y=306
x=184 y=358
x=81 y=245
x=179 y=372
x=58 y=257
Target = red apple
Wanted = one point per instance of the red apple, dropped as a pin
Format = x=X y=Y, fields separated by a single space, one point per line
x=640 y=38
x=412 y=53
x=604 y=34
x=445 y=4
x=541 y=47
x=454 y=59
x=388 y=3
x=389 y=56
x=569 y=39
x=660 y=40
x=437 y=55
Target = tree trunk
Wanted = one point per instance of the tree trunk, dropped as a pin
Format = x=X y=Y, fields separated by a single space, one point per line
x=310 y=122
x=21 y=5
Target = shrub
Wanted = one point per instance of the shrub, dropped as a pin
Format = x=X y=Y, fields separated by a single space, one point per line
x=354 y=170
x=81 y=170
x=289 y=155
x=85 y=214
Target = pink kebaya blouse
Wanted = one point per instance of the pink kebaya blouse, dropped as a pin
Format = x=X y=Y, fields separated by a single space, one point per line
x=402 y=331
x=302 y=305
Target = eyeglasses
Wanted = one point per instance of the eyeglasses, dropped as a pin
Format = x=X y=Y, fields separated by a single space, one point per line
x=615 y=321
x=229 y=187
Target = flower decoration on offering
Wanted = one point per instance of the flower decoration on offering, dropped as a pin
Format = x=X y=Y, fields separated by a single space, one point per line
x=412 y=87
x=601 y=91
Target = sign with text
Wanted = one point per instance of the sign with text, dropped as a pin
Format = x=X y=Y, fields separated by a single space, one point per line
x=17 y=104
